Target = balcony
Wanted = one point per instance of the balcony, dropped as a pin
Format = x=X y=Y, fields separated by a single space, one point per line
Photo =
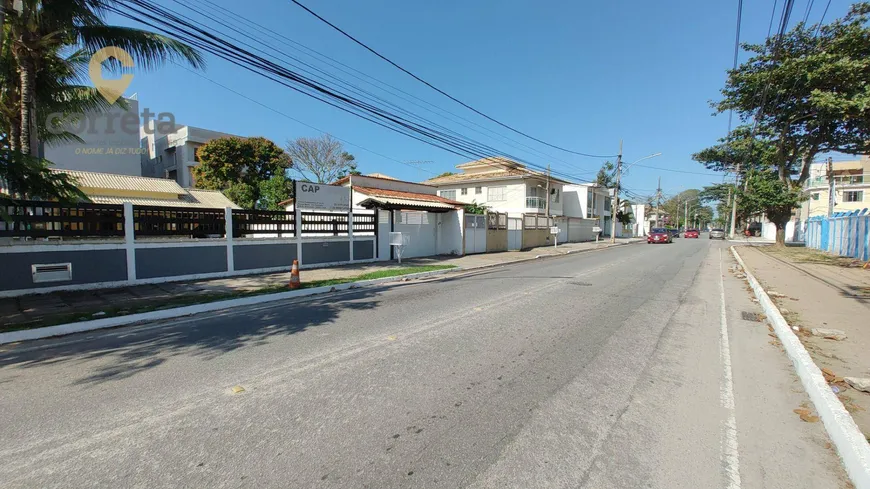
x=536 y=203
x=839 y=181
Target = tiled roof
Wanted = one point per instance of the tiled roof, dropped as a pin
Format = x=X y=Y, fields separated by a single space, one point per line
x=345 y=179
x=111 y=181
x=410 y=196
x=210 y=199
x=500 y=168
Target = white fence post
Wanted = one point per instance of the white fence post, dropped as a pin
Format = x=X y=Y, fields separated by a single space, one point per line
x=350 y=231
x=228 y=232
x=298 y=231
x=129 y=241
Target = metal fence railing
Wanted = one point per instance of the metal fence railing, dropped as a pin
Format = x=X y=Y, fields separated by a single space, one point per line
x=323 y=223
x=178 y=221
x=496 y=220
x=40 y=219
x=256 y=222
x=536 y=221
x=365 y=223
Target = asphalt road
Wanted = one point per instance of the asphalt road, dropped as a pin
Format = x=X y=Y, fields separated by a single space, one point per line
x=627 y=367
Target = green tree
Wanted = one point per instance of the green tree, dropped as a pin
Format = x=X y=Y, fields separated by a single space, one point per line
x=43 y=70
x=274 y=191
x=321 y=159
x=445 y=174
x=766 y=192
x=606 y=175
x=814 y=99
x=238 y=167
x=475 y=208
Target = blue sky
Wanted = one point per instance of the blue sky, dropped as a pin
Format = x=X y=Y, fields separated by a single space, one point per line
x=581 y=75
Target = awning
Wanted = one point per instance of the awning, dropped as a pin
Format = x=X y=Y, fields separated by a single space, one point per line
x=396 y=203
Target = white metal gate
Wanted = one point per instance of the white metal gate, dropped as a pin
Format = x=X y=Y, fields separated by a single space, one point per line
x=475 y=234
x=515 y=233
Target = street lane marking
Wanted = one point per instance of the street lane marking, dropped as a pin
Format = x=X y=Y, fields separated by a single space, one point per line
x=730 y=452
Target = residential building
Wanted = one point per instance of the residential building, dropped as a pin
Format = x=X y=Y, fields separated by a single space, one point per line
x=851 y=187
x=503 y=186
x=110 y=142
x=173 y=155
x=108 y=188
x=588 y=201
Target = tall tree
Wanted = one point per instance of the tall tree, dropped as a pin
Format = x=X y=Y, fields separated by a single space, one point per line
x=606 y=176
x=321 y=159
x=43 y=59
x=239 y=166
x=805 y=94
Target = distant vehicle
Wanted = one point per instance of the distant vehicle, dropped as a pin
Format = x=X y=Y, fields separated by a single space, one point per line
x=659 y=235
x=717 y=234
x=692 y=233
x=675 y=233
x=754 y=229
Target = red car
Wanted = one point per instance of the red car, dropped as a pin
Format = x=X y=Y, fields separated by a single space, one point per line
x=692 y=233
x=659 y=235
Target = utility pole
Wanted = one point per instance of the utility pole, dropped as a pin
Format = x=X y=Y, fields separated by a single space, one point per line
x=734 y=205
x=547 y=205
x=831 y=200
x=686 y=215
x=659 y=203
x=615 y=206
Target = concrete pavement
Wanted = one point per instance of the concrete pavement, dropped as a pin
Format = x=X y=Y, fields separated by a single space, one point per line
x=595 y=370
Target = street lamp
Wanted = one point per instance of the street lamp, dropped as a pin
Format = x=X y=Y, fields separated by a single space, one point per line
x=638 y=161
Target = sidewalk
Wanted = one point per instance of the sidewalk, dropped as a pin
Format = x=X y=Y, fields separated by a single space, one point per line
x=71 y=306
x=822 y=291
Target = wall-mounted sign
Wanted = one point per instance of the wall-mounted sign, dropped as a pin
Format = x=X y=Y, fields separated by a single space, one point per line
x=322 y=197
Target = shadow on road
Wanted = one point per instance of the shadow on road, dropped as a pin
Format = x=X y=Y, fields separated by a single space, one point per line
x=211 y=335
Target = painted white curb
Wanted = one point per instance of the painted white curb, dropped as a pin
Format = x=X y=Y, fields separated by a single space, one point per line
x=112 y=322
x=850 y=442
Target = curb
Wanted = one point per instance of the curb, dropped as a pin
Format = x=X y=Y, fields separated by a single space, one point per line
x=114 y=322
x=850 y=442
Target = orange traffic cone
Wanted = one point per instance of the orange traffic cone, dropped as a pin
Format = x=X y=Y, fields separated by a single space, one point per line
x=295 y=282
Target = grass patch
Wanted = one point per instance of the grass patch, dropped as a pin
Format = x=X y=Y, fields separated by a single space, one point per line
x=809 y=255
x=147 y=305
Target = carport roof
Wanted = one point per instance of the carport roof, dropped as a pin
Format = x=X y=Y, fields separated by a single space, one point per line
x=396 y=199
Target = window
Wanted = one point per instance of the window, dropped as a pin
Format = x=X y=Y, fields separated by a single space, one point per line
x=464 y=191
x=815 y=196
x=853 y=196
x=478 y=190
x=495 y=193
x=172 y=175
x=606 y=204
x=448 y=194
x=590 y=203
x=556 y=195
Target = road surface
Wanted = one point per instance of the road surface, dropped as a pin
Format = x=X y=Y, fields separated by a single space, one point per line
x=629 y=367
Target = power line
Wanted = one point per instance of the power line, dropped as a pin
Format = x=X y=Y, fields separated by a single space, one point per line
x=187 y=30
x=676 y=171
x=379 y=55
x=349 y=143
x=736 y=53
x=332 y=62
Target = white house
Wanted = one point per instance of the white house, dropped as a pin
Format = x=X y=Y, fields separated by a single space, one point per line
x=502 y=185
x=173 y=155
x=111 y=142
x=588 y=201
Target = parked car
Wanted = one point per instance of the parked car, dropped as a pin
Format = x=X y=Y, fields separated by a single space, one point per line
x=659 y=235
x=717 y=234
x=692 y=233
x=675 y=233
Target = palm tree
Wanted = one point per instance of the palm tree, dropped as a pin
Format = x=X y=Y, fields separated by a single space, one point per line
x=43 y=67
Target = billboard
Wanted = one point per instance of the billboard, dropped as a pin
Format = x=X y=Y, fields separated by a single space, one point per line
x=322 y=197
